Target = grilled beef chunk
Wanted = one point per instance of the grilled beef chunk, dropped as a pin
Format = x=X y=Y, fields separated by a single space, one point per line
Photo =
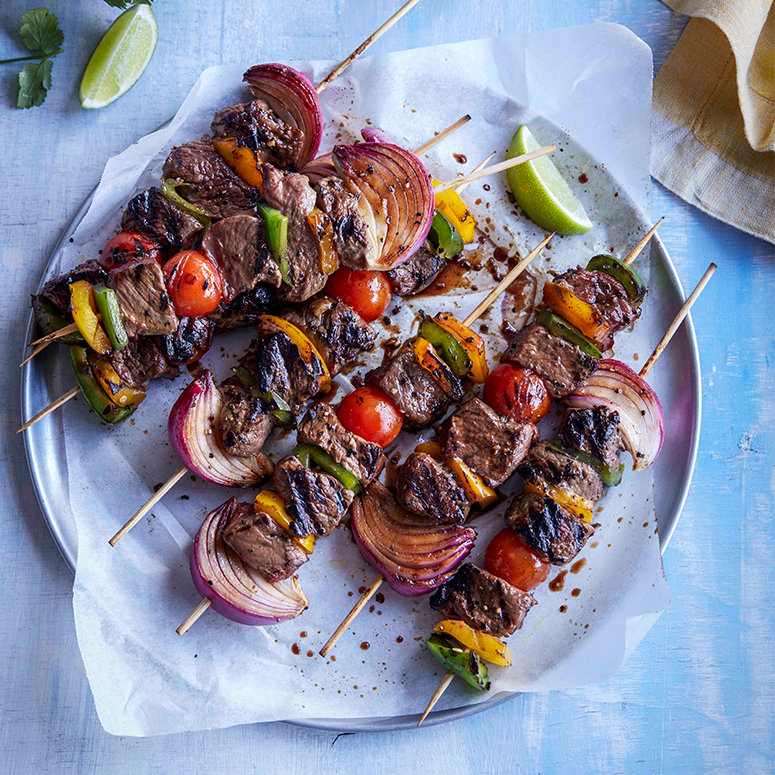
x=142 y=296
x=490 y=445
x=207 y=181
x=594 y=431
x=189 y=343
x=261 y=543
x=482 y=601
x=321 y=426
x=351 y=234
x=316 y=501
x=244 y=422
x=555 y=534
x=293 y=196
x=417 y=272
x=428 y=488
x=263 y=130
x=277 y=365
x=546 y=464
x=561 y=365
x=140 y=362
x=245 y=309
x=412 y=389
x=237 y=246
x=57 y=289
x=151 y=214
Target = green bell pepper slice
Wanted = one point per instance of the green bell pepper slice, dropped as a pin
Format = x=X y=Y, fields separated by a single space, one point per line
x=447 y=346
x=50 y=320
x=464 y=664
x=612 y=477
x=281 y=411
x=309 y=453
x=444 y=237
x=169 y=189
x=626 y=275
x=92 y=390
x=112 y=319
x=560 y=327
x=277 y=236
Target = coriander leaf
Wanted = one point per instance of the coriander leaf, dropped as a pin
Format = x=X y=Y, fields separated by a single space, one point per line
x=126 y=3
x=34 y=82
x=40 y=32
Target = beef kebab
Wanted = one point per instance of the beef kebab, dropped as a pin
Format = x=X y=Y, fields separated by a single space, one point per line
x=549 y=523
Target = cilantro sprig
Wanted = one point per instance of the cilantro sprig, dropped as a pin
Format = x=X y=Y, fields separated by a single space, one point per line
x=124 y=4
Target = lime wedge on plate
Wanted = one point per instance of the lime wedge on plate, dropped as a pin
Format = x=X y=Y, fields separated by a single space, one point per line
x=120 y=57
x=542 y=192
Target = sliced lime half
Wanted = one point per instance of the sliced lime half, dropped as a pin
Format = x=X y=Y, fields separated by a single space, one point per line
x=542 y=192
x=120 y=57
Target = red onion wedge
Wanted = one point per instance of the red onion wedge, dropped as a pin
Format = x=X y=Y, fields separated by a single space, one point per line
x=396 y=198
x=319 y=169
x=293 y=97
x=413 y=554
x=617 y=387
x=234 y=590
x=192 y=429
x=375 y=135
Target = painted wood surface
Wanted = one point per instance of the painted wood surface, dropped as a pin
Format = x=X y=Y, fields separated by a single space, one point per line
x=697 y=696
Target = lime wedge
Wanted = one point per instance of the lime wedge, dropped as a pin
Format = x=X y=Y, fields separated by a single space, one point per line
x=542 y=192
x=120 y=57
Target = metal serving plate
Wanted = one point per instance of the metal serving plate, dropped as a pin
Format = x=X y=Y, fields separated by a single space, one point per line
x=679 y=385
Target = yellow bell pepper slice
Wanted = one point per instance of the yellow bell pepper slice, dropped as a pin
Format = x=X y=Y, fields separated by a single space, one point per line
x=454 y=209
x=471 y=342
x=309 y=352
x=581 y=507
x=578 y=313
x=243 y=160
x=432 y=448
x=120 y=394
x=321 y=227
x=486 y=646
x=270 y=503
x=430 y=360
x=86 y=318
x=475 y=489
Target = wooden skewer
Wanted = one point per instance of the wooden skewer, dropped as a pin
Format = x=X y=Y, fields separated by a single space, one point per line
x=440 y=689
x=204 y=604
x=356 y=609
x=499 y=167
x=378 y=33
x=480 y=166
x=72 y=393
x=635 y=252
x=149 y=504
x=38 y=349
x=442 y=135
x=68 y=329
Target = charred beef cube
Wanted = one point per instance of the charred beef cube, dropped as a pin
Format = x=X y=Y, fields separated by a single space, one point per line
x=483 y=601
x=244 y=422
x=561 y=365
x=413 y=389
x=593 y=431
x=57 y=289
x=237 y=246
x=351 y=234
x=490 y=445
x=316 y=501
x=321 y=427
x=428 y=488
x=554 y=533
x=417 y=272
x=189 y=343
x=140 y=362
x=263 y=131
x=207 y=181
x=142 y=296
x=261 y=543
x=245 y=310
x=547 y=465
x=152 y=214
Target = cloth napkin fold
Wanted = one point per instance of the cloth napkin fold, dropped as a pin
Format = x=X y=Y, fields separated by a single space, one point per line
x=713 y=124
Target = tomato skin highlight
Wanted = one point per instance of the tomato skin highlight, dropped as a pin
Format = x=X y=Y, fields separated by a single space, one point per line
x=370 y=414
x=508 y=557
x=127 y=247
x=194 y=284
x=516 y=393
x=367 y=291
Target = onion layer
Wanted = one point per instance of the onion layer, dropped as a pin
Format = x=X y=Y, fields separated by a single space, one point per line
x=373 y=134
x=192 y=429
x=319 y=169
x=413 y=554
x=236 y=591
x=396 y=198
x=616 y=386
x=293 y=97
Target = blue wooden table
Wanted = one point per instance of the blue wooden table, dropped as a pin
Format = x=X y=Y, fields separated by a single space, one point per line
x=697 y=696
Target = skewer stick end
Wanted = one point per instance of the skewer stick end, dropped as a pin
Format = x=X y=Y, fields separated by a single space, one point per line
x=440 y=689
x=204 y=604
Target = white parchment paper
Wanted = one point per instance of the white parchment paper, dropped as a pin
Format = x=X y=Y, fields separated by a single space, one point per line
x=594 y=83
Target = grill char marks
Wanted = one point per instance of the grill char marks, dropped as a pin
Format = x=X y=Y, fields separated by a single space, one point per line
x=428 y=488
x=57 y=289
x=140 y=362
x=351 y=234
x=142 y=296
x=151 y=214
x=243 y=423
x=593 y=431
x=245 y=309
x=417 y=272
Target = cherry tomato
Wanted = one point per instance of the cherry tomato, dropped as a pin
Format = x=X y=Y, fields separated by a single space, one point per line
x=508 y=557
x=518 y=394
x=370 y=414
x=367 y=291
x=126 y=247
x=194 y=283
